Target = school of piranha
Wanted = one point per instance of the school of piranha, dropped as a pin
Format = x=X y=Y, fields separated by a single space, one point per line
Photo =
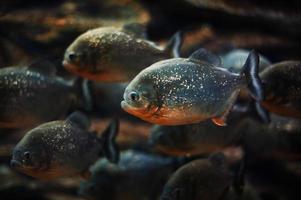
x=223 y=126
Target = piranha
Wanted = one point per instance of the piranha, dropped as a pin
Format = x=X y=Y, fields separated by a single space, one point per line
x=34 y=94
x=279 y=140
x=193 y=139
x=202 y=138
x=189 y=90
x=282 y=88
x=111 y=54
x=137 y=176
x=64 y=148
x=206 y=179
x=235 y=59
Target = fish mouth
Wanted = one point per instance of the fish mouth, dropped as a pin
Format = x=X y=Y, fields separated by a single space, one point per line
x=126 y=106
x=68 y=65
x=15 y=164
x=143 y=113
x=132 y=109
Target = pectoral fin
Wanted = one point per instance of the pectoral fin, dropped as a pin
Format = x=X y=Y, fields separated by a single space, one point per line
x=219 y=121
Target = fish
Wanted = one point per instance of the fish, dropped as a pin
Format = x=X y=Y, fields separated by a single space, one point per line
x=234 y=60
x=204 y=137
x=196 y=139
x=64 y=148
x=277 y=140
x=282 y=88
x=116 y=54
x=206 y=179
x=138 y=175
x=31 y=95
x=182 y=91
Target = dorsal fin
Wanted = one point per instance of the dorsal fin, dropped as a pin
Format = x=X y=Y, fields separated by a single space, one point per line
x=206 y=56
x=43 y=66
x=136 y=29
x=80 y=120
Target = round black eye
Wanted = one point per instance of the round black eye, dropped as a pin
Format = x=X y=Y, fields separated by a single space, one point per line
x=26 y=155
x=71 y=56
x=134 y=96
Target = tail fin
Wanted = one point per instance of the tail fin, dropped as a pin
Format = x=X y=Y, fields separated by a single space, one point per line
x=108 y=140
x=83 y=90
x=251 y=109
x=174 y=45
x=258 y=112
x=250 y=71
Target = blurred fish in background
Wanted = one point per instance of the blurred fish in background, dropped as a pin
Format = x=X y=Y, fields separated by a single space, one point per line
x=60 y=80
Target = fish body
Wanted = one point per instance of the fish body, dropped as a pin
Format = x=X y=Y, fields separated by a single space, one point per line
x=207 y=179
x=235 y=59
x=279 y=139
x=137 y=176
x=30 y=96
x=183 y=91
x=202 y=138
x=194 y=139
x=111 y=54
x=62 y=148
x=282 y=88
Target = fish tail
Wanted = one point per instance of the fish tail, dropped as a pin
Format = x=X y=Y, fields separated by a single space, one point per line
x=250 y=71
x=84 y=94
x=108 y=141
x=173 y=47
x=257 y=112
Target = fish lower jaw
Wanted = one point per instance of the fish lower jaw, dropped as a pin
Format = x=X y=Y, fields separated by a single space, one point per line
x=141 y=113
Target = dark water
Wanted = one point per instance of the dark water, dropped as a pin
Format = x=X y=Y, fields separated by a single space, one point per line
x=42 y=30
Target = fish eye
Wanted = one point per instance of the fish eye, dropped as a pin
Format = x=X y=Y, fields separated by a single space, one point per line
x=71 y=56
x=26 y=155
x=134 y=96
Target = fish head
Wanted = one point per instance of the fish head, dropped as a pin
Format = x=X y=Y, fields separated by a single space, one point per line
x=141 y=98
x=30 y=155
x=80 y=55
x=91 y=55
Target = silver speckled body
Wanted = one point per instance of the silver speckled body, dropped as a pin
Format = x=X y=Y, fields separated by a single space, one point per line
x=111 y=54
x=29 y=97
x=186 y=90
x=206 y=179
x=70 y=150
x=137 y=176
